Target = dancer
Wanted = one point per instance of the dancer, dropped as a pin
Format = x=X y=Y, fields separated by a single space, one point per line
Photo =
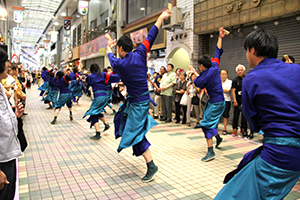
x=46 y=77
x=210 y=79
x=65 y=95
x=75 y=85
x=132 y=121
x=108 y=70
x=271 y=103
x=101 y=84
x=53 y=91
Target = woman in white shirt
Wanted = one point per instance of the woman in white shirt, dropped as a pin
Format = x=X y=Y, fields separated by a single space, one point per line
x=226 y=84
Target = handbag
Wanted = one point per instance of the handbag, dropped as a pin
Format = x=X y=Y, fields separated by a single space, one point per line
x=205 y=98
x=21 y=135
x=195 y=100
x=183 y=100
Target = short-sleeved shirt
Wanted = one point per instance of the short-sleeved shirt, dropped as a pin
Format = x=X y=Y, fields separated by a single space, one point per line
x=227 y=85
x=166 y=80
x=237 y=84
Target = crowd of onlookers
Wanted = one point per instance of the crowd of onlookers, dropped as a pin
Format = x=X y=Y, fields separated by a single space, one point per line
x=176 y=91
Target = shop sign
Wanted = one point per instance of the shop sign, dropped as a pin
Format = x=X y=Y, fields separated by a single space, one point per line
x=137 y=37
x=18 y=14
x=96 y=46
x=67 y=39
x=70 y=55
x=18 y=33
x=83 y=7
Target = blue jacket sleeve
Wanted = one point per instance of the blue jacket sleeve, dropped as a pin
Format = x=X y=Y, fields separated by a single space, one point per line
x=216 y=60
x=114 y=62
x=148 y=42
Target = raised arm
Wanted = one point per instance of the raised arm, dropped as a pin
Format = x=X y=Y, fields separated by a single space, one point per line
x=165 y=15
x=221 y=35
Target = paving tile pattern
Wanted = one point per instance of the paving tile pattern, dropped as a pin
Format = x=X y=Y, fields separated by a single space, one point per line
x=61 y=162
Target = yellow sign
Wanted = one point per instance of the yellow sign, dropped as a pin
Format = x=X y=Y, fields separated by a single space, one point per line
x=2 y=39
x=102 y=51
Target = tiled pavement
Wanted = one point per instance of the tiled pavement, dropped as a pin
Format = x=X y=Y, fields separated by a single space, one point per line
x=61 y=162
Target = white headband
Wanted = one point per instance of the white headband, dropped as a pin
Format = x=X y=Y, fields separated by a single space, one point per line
x=239 y=65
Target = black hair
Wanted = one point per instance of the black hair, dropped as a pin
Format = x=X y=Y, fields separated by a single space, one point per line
x=14 y=66
x=44 y=68
x=3 y=59
x=224 y=70
x=184 y=74
x=291 y=58
x=68 y=69
x=171 y=65
x=104 y=70
x=264 y=42
x=205 y=61
x=126 y=43
x=75 y=69
x=95 y=68
x=109 y=67
x=59 y=74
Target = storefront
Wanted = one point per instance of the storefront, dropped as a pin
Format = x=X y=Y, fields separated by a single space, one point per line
x=277 y=16
x=72 y=57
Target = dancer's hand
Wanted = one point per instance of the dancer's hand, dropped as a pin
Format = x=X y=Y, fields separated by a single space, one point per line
x=166 y=14
x=111 y=43
x=221 y=32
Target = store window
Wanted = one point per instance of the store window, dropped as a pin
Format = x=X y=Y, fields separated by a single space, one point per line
x=93 y=24
x=74 y=38
x=137 y=9
x=103 y=16
x=79 y=35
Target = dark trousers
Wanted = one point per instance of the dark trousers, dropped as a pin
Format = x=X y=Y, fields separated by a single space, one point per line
x=177 y=112
x=9 y=169
x=166 y=106
x=236 y=114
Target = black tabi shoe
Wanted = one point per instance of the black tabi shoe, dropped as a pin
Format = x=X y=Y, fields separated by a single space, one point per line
x=95 y=137
x=151 y=171
x=71 y=118
x=107 y=126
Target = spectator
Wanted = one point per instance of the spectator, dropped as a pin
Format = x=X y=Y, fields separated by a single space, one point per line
x=10 y=146
x=236 y=92
x=226 y=85
x=180 y=89
x=167 y=83
x=193 y=101
x=151 y=92
x=157 y=99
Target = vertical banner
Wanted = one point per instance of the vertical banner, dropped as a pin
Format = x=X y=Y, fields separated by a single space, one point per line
x=47 y=48
x=18 y=14
x=67 y=23
x=17 y=39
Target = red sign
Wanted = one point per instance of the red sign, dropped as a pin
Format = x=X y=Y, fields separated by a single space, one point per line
x=14 y=59
x=137 y=37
